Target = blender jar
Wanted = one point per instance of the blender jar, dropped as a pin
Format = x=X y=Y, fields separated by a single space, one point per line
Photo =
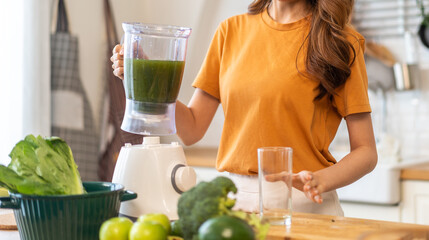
x=154 y=61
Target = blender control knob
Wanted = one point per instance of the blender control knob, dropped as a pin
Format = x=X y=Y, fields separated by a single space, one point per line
x=183 y=178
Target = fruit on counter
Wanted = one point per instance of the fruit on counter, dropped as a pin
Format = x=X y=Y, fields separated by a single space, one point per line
x=3 y=192
x=158 y=218
x=41 y=166
x=148 y=230
x=225 y=228
x=116 y=228
x=151 y=226
x=208 y=200
x=176 y=229
x=174 y=238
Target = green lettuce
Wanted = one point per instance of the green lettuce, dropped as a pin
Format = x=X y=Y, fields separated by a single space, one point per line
x=41 y=166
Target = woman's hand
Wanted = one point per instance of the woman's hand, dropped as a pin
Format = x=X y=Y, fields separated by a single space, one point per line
x=118 y=61
x=309 y=183
x=304 y=181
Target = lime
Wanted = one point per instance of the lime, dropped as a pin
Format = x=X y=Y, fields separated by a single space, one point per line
x=158 y=218
x=116 y=228
x=147 y=231
x=225 y=228
x=176 y=229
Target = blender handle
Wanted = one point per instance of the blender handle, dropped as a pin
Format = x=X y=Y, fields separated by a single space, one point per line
x=6 y=202
x=128 y=195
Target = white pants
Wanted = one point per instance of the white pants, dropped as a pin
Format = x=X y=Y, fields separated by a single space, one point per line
x=248 y=198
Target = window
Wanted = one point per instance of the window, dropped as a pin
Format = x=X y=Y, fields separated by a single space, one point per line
x=25 y=90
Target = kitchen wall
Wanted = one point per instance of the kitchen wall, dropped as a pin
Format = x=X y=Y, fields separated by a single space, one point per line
x=400 y=117
x=408 y=111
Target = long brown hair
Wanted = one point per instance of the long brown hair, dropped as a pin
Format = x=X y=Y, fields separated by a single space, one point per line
x=329 y=53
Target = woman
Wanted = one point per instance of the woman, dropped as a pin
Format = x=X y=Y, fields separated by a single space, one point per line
x=286 y=73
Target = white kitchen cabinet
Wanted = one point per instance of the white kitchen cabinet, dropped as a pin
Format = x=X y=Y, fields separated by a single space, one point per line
x=372 y=211
x=413 y=208
x=415 y=202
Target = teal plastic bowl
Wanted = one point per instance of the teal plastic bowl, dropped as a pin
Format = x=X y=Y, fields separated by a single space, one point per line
x=67 y=217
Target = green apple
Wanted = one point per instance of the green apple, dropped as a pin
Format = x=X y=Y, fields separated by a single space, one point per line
x=148 y=231
x=116 y=228
x=158 y=218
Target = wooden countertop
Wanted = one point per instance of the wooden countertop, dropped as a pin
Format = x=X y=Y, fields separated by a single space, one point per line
x=418 y=172
x=324 y=227
x=206 y=157
x=201 y=157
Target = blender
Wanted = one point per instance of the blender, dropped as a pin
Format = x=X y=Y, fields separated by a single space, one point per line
x=154 y=61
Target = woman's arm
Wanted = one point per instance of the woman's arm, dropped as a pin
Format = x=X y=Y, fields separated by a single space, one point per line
x=192 y=121
x=361 y=160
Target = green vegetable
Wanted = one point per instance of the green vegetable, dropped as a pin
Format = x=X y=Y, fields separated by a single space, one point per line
x=261 y=228
x=225 y=228
x=176 y=229
x=202 y=202
x=208 y=200
x=41 y=166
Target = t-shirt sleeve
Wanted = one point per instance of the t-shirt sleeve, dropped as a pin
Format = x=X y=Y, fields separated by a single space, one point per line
x=352 y=97
x=208 y=76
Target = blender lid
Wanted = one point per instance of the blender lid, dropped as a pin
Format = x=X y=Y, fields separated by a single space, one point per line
x=157 y=29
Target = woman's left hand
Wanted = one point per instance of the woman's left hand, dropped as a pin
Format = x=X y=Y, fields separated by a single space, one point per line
x=309 y=183
x=304 y=181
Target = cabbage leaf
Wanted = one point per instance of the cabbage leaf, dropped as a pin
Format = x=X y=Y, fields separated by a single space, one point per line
x=41 y=166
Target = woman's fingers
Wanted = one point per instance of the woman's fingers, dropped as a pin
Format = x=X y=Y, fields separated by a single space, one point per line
x=310 y=186
x=313 y=194
x=118 y=68
x=317 y=198
x=117 y=59
x=116 y=54
x=118 y=49
x=119 y=72
x=306 y=176
x=118 y=64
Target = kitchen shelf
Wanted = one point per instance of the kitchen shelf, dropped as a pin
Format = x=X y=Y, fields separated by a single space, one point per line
x=387 y=18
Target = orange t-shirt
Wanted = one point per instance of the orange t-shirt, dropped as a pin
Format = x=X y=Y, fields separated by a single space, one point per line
x=251 y=67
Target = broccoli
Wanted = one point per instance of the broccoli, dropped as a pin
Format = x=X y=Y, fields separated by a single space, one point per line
x=202 y=202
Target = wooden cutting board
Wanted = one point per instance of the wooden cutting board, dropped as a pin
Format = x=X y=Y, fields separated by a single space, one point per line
x=324 y=227
x=7 y=222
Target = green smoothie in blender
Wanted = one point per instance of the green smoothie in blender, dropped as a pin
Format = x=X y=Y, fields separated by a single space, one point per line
x=156 y=81
x=153 y=81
